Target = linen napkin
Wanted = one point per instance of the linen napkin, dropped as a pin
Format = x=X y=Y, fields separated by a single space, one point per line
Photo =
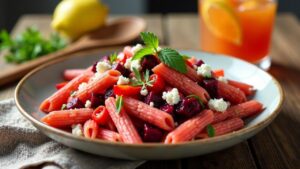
x=23 y=146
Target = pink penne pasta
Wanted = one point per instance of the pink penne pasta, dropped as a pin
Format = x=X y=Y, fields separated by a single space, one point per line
x=61 y=96
x=70 y=74
x=232 y=94
x=192 y=74
x=122 y=122
x=108 y=135
x=64 y=118
x=90 y=129
x=180 y=81
x=245 y=109
x=246 y=88
x=242 y=110
x=190 y=128
x=106 y=80
x=149 y=114
x=224 y=127
x=220 y=116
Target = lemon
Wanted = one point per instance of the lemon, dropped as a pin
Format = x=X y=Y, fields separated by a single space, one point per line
x=73 y=18
x=221 y=20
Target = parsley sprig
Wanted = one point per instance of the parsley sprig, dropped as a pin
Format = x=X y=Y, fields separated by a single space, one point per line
x=113 y=57
x=168 y=56
x=139 y=81
x=119 y=104
x=210 y=130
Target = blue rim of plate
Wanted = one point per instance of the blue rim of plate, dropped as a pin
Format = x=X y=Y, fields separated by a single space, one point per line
x=62 y=133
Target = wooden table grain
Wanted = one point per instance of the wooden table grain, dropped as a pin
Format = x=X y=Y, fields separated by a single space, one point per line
x=277 y=146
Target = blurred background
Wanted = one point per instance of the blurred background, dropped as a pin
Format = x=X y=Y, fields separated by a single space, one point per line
x=10 y=12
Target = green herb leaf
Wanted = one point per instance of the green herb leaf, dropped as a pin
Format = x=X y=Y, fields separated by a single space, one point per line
x=73 y=93
x=29 y=45
x=173 y=59
x=143 y=52
x=210 y=130
x=113 y=57
x=119 y=104
x=150 y=39
x=137 y=74
x=198 y=99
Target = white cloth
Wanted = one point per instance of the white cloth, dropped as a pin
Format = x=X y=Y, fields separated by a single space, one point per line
x=23 y=146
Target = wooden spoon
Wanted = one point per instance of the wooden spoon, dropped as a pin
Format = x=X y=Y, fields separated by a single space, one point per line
x=118 y=32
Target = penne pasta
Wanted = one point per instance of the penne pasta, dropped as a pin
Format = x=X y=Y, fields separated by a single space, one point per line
x=90 y=129
x=230 y=93
x=61 y=96
x=108 y=135
x=224 y=127
x=246 y=88
x=70 y=74
x=99 y=85
x=149 y=114
x=190 y=128
x=192 y=74
x=64 y=118
x=122 y=122
x=181 y=82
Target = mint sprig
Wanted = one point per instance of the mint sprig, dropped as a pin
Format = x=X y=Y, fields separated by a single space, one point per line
x=210 y=130
x=113 y=57
x=173 y=59
x=143 y=52
x=168 y=56
x=139 y=81
x=119 y=104
x=150 y=40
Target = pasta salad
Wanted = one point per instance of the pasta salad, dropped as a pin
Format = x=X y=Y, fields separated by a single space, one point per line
x=149 y=94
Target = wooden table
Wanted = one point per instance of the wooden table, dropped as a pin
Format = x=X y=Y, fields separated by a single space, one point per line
x=278 y=146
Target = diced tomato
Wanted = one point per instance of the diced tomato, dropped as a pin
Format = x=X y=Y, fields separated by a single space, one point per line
x=127 y=90
x=100 y=115
x=158 y=84
x=246 y=88
x=218 y=73
x=60 y=85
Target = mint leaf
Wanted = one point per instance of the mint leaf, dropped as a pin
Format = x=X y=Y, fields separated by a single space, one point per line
x=173 y=59
x=198 y=99
x=210 y=130
x=119 y=104
x=150 y=39
x=143 y=52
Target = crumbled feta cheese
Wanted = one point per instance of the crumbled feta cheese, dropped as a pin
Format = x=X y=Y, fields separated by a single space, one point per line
x=144 y=92
x=96 y=76
x=127 y=64
x=123 y=80
x=82 y=86
x=88 y=104
x=136 y=64
x=77 y=130
x=218 y=104
x=222 y=79
x=136 y=48
x=151 y=104
x=204 y=70
x=102 y=67
x=172 y=97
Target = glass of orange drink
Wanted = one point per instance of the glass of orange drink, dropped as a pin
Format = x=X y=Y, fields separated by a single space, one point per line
x=239 y=28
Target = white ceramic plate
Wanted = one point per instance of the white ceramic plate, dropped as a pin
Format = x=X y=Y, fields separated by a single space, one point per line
x=39 y=84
